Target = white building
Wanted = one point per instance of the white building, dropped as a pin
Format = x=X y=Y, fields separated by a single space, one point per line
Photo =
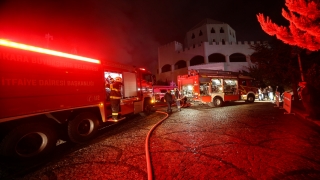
x=209 y=45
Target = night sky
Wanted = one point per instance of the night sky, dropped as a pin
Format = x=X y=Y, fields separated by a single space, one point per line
x=128 y=31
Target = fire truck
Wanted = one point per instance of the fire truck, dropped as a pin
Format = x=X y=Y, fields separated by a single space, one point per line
x=47 y=96
x=217 y=87
x=159 y=91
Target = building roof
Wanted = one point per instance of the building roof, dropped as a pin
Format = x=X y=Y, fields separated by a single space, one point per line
x=207 y=21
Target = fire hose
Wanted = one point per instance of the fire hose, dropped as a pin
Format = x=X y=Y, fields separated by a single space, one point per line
x=149 y=168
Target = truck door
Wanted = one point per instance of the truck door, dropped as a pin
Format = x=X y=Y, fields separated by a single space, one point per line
x=230 y=89
x=205 y=89
x=129 y=92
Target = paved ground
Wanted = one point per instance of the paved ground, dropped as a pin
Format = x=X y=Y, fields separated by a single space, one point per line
x=238 y=141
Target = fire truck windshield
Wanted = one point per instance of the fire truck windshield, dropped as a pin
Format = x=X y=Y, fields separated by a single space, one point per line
x=148 y=77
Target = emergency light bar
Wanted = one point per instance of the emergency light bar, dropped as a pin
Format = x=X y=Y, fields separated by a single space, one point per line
x=7 y=43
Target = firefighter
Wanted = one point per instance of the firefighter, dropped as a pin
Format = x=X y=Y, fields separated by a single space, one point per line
x=115 y=96
x=168 y=99
x=177 y=98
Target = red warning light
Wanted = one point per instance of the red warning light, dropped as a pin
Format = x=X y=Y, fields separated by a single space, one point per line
x=8 y=43
x=142 y=69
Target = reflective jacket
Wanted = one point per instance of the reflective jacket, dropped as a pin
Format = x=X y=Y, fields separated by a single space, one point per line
x=115 y=90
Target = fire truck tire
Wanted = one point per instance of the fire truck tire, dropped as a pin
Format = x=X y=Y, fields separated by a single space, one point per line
x=28 y=141
x=147 y=108
x=217 y=102
x=250 y=98
x=83 y=127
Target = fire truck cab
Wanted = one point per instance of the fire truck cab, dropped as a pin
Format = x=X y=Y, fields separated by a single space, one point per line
x=216 y=87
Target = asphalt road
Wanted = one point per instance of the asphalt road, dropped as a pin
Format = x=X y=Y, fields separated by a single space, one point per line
x=238 y=141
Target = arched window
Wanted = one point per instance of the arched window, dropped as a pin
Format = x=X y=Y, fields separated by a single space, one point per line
x=213 y=31
x=223 y=41
x=237 y=57
x=192 y=37
x=180 y=64
x=216 y=57
x=221 y=30
x=200 y=33
x=196 y=60
x=166 y=68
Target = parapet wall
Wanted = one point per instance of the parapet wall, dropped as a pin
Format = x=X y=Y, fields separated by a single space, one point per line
x=178 y=47
x=172 y=46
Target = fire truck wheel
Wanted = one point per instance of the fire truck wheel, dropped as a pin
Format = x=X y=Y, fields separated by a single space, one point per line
x=83 y=127
x=29 y=141
x=250 y=98
x=147 y=108
x=217 y=102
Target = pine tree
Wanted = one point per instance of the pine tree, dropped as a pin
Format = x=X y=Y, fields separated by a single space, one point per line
x=303 y=32
x=304 y=28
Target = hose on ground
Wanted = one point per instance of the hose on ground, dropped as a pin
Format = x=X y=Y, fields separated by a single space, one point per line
x=149 y=168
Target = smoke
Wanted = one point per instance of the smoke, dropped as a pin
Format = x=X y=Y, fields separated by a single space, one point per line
x=124 y=31
x=115 y=31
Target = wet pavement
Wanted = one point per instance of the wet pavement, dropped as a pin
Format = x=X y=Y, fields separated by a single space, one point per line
x=238 y=141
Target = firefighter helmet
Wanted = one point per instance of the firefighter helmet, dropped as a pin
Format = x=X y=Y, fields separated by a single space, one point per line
x=118 y=79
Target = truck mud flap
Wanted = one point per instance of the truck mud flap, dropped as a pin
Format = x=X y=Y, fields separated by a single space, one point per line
x=211 y=104
x=115 y=120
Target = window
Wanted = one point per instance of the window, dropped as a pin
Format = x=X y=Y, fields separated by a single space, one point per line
x=196 y=60
x=163 y=90
x=147 y=77
x=192 y=37
x=216 y=58
x=200 y=33
x=213 y=31
x=237 y=57
x=180 y=64
x=221 y=30
x=166 y=68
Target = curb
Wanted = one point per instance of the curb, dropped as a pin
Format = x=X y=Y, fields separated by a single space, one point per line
x=301 y=113
x=304 y=115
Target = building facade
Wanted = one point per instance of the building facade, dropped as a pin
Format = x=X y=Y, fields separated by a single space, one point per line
x=209 y=45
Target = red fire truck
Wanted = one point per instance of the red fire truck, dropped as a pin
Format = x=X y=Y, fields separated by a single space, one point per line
x=216 y=87
x=159 y=91
x=47 y=95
